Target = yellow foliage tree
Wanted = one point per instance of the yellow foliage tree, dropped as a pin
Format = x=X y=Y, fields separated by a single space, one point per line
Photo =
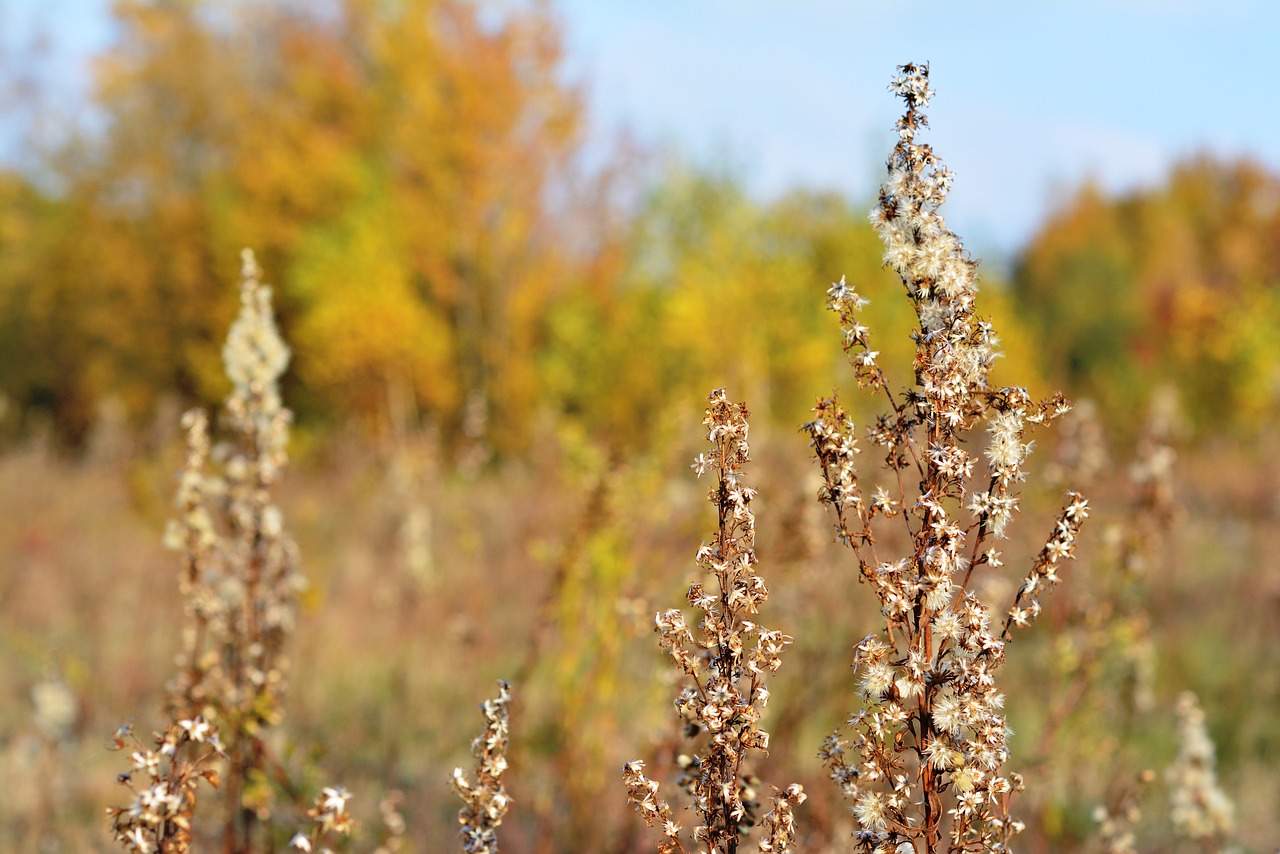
x=425 y=138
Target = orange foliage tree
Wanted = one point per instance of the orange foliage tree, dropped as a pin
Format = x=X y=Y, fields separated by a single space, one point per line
x=396 y=165
x=1177 y=282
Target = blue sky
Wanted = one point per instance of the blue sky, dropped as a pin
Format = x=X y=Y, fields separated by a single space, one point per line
x=1033 y=97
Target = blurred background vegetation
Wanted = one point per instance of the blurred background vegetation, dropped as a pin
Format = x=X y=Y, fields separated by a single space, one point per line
x=501 y=347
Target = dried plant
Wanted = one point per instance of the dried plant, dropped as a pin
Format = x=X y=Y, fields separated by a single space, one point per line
x=328 y=816
x=726 y=666
x=1081 y=454
x=924 y=765
x=485 y=798
x=1113 y=638
x=164 y=780
x=1200 y=810
x=239 y=585
x=56 y=712
x=1106 y=659
x=1117 y=821
x=393 y=823
x=240 y=580
x=1154 y=506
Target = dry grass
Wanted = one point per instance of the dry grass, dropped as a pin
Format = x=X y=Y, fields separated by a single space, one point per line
x=81 y=544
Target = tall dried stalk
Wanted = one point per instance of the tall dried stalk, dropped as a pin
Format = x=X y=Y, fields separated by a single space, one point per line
x=924 y=764
x=240 y=578
x=725 y=665
x=485 y=799
x=1199 y=809
x=239 y=585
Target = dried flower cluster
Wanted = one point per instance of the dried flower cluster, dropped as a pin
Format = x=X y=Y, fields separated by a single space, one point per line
x=1081 y=454
x=485 y=798
x=726 y=665
x=56 y=710
x=1199 y=808
x=1155 y=504
x=164 y=780
x=1044 y=570
x=1117 y=822
x=328 y=816
x=925 y=764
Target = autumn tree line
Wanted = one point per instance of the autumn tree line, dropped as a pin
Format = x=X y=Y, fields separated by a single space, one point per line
x=415 y=179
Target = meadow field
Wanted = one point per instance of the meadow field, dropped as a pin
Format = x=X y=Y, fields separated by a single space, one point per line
x=533 y=573
x=457 y=423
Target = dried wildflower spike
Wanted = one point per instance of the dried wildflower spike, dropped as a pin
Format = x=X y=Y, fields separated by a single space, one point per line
x=239 y=581
x=726 y=665
x=1200 y=809
x=485 y=799
x=924 y=765
x=1044 y=571
x=255 y=357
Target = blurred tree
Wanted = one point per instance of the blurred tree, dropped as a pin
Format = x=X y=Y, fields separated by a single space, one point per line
x=714 y=290
x=409 y=174
x=38 y=358
x=419 y=142
x=717 y=289
x=1171 y=283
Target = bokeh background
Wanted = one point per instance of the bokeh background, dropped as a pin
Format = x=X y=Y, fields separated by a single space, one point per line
x=513 y=247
